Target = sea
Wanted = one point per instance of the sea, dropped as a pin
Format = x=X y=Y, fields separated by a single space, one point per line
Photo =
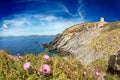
x=25 y=44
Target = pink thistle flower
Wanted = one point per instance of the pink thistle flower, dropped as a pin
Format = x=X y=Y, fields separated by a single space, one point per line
x=45 y=57
x=45 y=68
x=27 y=65
x=97 y=73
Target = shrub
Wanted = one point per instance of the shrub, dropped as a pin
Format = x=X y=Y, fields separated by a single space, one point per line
x=58 y=68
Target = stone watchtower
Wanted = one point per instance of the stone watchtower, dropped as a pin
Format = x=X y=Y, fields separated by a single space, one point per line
x=101 y=22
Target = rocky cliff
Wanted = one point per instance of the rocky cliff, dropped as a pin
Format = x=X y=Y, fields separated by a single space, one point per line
x=89 y=41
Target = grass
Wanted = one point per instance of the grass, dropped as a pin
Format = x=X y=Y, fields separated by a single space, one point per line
x=100 y=65
x=61 y=68
x=113 y=25
x=111 y=77
x=78 y=28
x=107 y=42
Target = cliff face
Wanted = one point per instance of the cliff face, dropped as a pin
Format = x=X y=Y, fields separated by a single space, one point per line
x=88 y=42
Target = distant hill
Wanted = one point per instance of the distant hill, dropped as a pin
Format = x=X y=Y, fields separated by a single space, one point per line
x=89 y=41
x=30 y=36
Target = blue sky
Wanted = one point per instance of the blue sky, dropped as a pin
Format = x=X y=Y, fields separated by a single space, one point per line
x=50 y=17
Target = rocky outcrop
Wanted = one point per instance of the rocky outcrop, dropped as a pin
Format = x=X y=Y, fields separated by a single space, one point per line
x=80 y=41
x=114 y=64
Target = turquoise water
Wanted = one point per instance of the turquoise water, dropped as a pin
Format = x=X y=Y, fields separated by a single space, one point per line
x=21 y=45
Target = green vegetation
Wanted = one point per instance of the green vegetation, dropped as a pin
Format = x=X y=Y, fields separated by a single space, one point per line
x=62 y=68
x=66 y=30
x=113 y=25
x=71 y=29
x=111 y=77
x=100 y=65
x=78 y=28
x=107 y=42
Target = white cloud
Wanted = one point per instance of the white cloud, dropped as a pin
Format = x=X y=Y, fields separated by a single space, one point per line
x=79 y=10
x=41 y=24
x=49 y=18
x=27 y=24
x=5 y=26
x=65 y=9
x=16 y=22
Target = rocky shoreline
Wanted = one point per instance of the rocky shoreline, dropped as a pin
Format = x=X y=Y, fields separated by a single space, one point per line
x=80 y=41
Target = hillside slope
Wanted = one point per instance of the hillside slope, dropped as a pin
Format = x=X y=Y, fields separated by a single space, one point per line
x=89 y=41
